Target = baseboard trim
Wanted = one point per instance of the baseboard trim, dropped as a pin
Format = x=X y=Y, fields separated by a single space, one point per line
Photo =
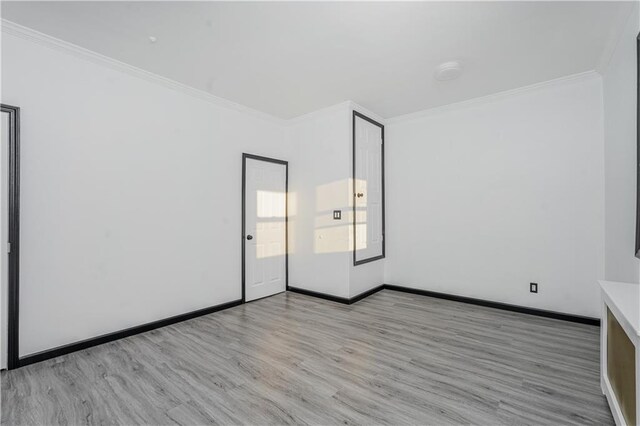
x=110 y=337
x=473 y=301
x=498 y=305
x=367 y=293
x=338 y=299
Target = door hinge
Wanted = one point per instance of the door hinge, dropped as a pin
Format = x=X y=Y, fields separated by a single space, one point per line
x=8 y=247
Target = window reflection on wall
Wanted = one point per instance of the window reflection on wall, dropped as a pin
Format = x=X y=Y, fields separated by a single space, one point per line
x=271 y=212
x=336 y=236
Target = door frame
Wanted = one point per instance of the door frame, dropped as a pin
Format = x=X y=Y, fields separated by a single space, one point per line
x=13 y=209
x=356 y=262
x=245 y=157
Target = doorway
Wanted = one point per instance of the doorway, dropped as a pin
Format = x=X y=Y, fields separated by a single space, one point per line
x=368 y=190
x=264 y=226
x=9 y=234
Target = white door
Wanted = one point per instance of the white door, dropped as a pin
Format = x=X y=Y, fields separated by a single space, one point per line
x=265 y=239
x=368 y=189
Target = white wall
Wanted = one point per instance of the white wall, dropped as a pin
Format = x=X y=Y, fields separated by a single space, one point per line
x=130 y=208
x=619 y=82
x=365 y=276
x=131 y=197
x=321 y=248
x=319 y=184
x=491 y=195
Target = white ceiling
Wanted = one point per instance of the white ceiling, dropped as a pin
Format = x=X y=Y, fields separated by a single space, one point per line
x=287 y=59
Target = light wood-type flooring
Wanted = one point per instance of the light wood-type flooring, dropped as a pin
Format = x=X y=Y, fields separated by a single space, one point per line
x=392 y=358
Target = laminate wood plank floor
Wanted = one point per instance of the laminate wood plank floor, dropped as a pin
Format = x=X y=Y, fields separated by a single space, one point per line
x=392 y=358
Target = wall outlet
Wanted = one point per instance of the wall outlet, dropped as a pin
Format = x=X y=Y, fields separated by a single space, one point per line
x=533 y=287
x=337 y=214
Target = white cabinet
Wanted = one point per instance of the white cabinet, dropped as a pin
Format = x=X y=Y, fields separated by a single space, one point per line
x=620 y=350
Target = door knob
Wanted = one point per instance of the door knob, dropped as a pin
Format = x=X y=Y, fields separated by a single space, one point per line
x=249 y=237
x=360 y=195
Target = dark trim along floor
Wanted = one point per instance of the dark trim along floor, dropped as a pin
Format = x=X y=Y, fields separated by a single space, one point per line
x=84 y=344
x=497 y=305
x=393 y=358
x=345 y=300
x=105 y=338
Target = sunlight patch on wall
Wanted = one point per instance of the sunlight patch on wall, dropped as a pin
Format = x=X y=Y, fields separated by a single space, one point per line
x=331 y=236
x=270 y=228
x=271 y=204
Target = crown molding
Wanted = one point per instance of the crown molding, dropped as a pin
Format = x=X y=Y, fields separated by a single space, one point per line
x=25 y=33
x=573 y=78
x=368 y=113
x=345 y=105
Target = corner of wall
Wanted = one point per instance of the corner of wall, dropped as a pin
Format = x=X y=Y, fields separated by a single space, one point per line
x=322 y=175
x=362 y=110
x=619 y=74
